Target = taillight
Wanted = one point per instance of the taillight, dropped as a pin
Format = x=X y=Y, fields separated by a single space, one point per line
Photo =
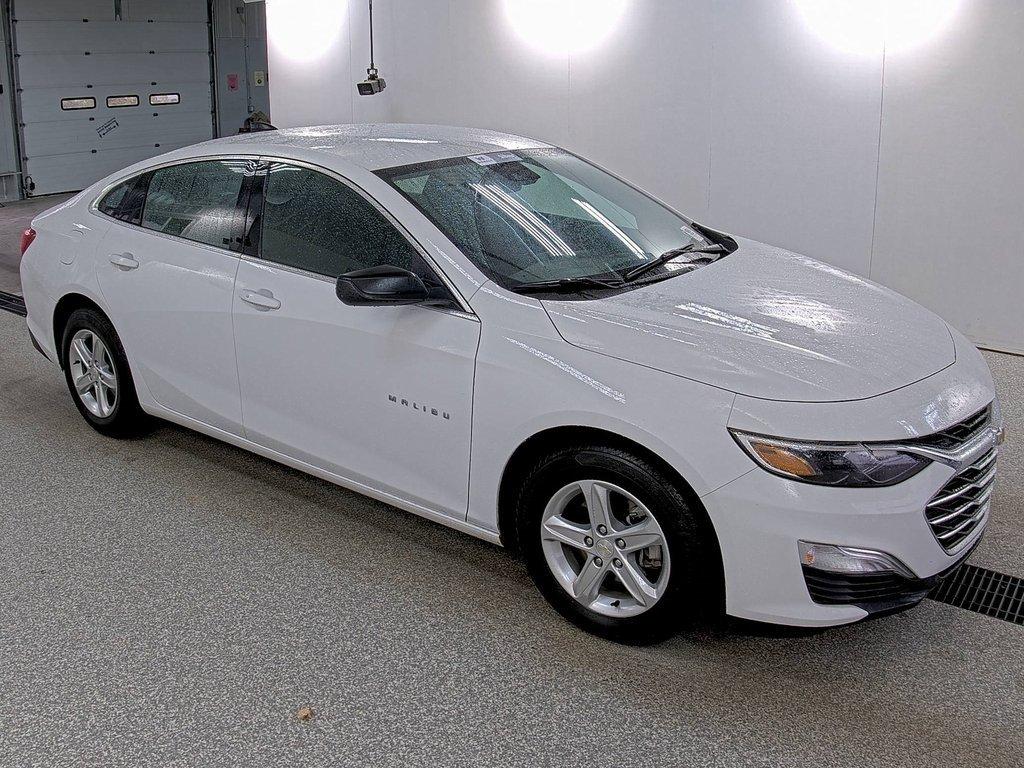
x=26 y=239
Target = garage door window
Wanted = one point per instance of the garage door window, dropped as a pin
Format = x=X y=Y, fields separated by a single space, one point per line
x=318 y=224
x=196 y=201
x=157 y=99
x=122 y=101
x=86 y=102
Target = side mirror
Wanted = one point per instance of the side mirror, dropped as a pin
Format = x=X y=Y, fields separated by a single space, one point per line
x=379 y=286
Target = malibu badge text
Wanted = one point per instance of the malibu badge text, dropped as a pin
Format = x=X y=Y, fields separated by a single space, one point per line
x=426 y=410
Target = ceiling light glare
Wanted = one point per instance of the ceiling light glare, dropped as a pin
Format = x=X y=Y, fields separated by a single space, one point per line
x=866 y=27
x=564 y=26
x=304 y=30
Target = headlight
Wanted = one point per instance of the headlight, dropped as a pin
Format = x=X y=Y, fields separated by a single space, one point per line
x=850 y=465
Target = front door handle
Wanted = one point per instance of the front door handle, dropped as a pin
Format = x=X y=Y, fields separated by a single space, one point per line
x=124 y=261
x=261 y=299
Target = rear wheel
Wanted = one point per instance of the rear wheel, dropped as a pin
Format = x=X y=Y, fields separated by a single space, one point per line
x=98 y=377
x=615 y=545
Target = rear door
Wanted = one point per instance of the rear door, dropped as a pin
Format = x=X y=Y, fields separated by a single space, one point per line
x=105 y=83
x=167 y=270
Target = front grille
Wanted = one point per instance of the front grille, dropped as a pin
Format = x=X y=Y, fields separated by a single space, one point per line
x=955 y=436
x=872 y=591
x=961 y=505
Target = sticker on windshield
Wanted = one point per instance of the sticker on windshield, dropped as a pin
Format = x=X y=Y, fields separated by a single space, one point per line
x=495 y=158
x=696 y=236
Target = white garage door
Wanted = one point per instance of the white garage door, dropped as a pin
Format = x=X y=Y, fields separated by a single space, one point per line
x=105 y=83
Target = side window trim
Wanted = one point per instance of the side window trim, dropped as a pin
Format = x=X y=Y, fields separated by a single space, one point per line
x=138 y=189
x=252 y=216
x=239 y=224
x=459 y=304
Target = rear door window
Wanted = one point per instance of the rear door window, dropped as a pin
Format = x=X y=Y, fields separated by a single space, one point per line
x=197 y=201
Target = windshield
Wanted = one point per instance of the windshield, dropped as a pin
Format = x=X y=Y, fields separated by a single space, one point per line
x=543 y=215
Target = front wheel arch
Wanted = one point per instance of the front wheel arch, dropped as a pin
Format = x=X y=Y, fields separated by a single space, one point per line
x=555 y=438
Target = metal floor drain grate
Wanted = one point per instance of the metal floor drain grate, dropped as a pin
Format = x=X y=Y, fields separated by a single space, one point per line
x=11 y=302
x=983 y=591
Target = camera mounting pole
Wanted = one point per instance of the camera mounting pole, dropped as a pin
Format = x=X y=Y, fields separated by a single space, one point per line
x=373 y=83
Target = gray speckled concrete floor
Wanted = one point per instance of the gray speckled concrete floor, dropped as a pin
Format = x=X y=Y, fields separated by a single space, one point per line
x=173 y=601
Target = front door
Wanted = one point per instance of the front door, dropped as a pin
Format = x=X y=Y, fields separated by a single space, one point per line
x=381 y=396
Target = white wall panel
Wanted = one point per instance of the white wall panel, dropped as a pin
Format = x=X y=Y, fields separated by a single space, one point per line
x=950 y=228
x=309 y=85
x=794 y=135
x=640 y=104
x=737 y=113
x=499 y=82
x=421 y=64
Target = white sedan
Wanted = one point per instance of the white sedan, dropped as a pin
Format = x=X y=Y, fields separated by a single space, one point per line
x=498 y=335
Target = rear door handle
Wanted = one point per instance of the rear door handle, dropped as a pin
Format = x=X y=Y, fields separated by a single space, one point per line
x=124 y=261
x=261 y=299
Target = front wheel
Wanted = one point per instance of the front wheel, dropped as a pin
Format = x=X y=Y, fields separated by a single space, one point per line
x=615 y=545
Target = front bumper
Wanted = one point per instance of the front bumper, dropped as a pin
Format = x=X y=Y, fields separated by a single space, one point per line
x=878 y=594
x=761 y=518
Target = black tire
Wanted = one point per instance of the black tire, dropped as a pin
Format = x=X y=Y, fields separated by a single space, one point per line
x=127 y=418
x=694 y=590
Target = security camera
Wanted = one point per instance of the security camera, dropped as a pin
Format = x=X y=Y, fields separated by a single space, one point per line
x=373 y=83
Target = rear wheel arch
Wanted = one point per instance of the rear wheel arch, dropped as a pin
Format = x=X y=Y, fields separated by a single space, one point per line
x=62 y=312
x=553 y=439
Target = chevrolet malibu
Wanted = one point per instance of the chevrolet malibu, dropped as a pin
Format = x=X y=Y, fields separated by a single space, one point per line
x=491 y=332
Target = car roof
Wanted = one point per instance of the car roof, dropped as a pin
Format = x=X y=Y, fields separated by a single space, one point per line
x=373 y=146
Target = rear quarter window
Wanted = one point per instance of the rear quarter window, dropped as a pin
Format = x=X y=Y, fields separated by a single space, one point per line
x=113 y=199
x=124 y=202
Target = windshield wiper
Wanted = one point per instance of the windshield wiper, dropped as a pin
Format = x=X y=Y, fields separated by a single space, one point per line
x=589 y=281
x=667 y=256
x=567 y=284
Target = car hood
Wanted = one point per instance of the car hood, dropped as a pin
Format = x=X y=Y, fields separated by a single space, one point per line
x=767 y=323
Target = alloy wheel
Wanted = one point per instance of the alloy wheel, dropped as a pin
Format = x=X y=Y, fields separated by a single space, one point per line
x=605 y=548
x=93 y=373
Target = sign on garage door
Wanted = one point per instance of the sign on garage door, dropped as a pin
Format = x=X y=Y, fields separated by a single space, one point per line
x=105 y=83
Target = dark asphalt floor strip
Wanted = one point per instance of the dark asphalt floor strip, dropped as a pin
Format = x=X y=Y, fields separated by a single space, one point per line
x=11 y=302
x=989 y=593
